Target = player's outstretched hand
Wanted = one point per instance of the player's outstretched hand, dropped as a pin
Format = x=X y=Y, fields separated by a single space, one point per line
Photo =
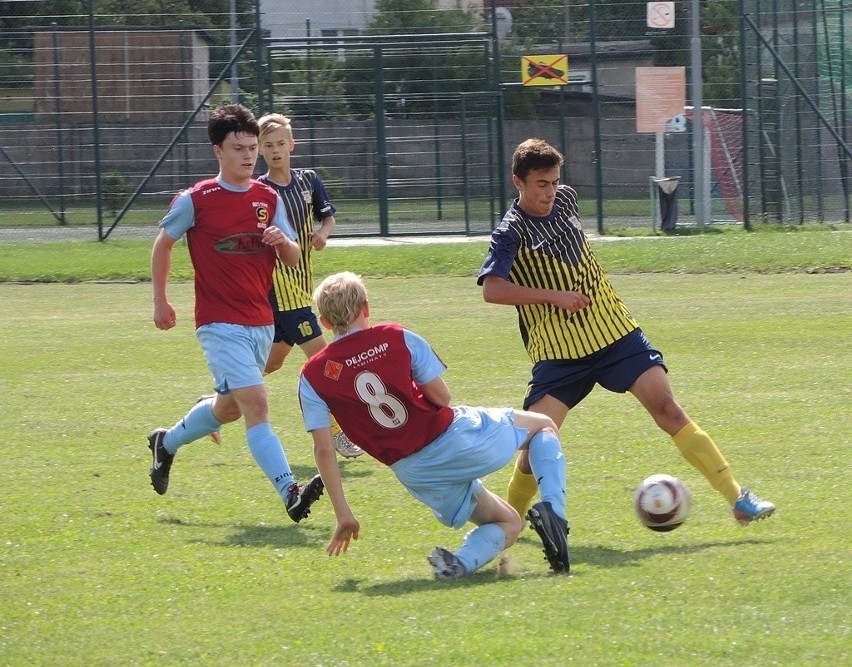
x=346 y=530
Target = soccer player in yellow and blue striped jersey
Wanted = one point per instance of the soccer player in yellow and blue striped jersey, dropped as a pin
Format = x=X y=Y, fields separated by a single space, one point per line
x=305 y=200
x=576 y=330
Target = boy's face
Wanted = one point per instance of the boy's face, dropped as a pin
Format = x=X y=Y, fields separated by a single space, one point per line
x=276 y=147
x=237 y=156
x=537 y=191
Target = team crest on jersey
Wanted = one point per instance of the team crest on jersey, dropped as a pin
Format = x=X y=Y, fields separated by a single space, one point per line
x=306 y=195
x=332 y=370
x=261 y=210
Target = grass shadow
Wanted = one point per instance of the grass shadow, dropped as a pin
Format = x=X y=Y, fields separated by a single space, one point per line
x=594 y=556
x=601 y=556
x=408 y=586
x=258 y=535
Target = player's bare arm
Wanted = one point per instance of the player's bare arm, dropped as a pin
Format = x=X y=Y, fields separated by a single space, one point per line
x=161 y=264
x=499 y=290
x=436 y=392
x=319 y=238
x=325 y=456
x=287 y=250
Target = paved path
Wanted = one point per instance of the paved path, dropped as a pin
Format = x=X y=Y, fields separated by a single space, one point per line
x=57 y=234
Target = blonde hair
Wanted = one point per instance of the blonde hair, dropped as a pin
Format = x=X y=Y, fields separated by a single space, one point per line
x=274 y=121
x=340 y=298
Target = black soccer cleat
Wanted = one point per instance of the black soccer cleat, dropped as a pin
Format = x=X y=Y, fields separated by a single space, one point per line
x=553 y=531
x=300 y=498
x=162 y=461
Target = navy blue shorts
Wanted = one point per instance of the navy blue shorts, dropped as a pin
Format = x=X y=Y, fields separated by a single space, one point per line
x=295 y=327
x=616 y=367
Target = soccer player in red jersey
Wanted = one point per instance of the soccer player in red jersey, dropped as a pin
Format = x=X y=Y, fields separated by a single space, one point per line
x=384 y=385
x=235 y=229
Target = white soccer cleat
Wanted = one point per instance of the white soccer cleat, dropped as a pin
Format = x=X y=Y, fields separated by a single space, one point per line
x=345 y=447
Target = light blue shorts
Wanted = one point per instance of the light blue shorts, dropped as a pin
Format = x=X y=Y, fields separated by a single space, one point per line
x=236 y=354
x=445 y=473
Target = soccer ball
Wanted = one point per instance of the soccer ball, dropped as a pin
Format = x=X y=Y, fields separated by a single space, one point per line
x=662 y=502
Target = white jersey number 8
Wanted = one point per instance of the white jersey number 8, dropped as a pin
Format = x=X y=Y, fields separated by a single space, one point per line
x=386 y=409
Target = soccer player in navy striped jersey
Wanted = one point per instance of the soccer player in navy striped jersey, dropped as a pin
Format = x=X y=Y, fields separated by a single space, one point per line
x=305 y=200
x=577 y=331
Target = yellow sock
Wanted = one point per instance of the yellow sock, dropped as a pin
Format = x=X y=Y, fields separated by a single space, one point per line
x=335 y=427
x=522 y=489
x=701 y=452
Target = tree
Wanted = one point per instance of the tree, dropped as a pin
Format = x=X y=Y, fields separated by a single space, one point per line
x=417 y=79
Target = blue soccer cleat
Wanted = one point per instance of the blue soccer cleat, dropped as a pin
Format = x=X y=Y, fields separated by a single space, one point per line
x=749 y=507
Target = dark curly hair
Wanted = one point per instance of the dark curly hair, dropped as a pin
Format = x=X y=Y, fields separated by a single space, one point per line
x=534 y=154
x=230 y=118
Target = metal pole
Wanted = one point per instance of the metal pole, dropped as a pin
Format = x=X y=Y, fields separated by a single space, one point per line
x=465 y=192
x=698 y=122
x=381 y=141
x=596 y=113
x=744 y=104
x=563 y=139
x=309 y=73
x=436 y=133
x=501 y=161
x=817 y=142
x=235 y=87
x=800 y=158
x=95 y=124
x=258 y=59
x=844 y=164
x=60 y=143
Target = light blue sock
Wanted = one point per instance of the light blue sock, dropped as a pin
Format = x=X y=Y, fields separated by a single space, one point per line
x=269 y=454
x=548 y=466
x=197 y=423
x=480 y=546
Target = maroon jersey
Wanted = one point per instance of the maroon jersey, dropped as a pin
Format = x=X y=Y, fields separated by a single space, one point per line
x=365 y=379
x=233 y=267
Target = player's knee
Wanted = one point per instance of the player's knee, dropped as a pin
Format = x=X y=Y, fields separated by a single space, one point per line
x=512 y=527
x=272 y=366
x=669 y=415
x=227 y=414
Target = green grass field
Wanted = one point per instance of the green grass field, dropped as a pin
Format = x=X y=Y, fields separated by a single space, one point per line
x=99 y=570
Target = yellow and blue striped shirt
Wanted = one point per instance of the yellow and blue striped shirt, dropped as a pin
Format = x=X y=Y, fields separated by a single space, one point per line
x=305 y=200
x=554 y=253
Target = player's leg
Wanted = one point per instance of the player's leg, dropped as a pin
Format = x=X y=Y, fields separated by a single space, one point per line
x=216 y=436
x=498 y=527
x=653 y=390
x=283 y=340
x=522 y=485
x=548 y=469
x=277 y=354
x=198 y=422
x=268 y=453
x=544 y=454
x=201 y=420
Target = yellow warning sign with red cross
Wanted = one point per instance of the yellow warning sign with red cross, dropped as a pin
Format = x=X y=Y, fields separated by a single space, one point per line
x=547 y=70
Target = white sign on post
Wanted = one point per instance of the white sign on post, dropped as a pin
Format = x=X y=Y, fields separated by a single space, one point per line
x=661 y=15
